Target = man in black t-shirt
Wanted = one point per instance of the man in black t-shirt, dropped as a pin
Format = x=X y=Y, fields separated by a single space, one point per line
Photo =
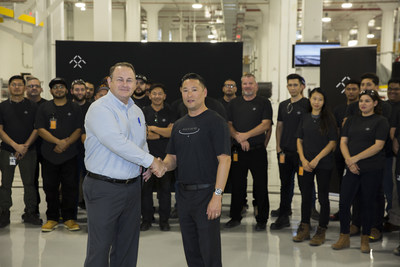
x=159 y=120
x=59 y=123
x=199 y=148
x=33 y=91
x=229 y=89
x=17 y=117
x=139 y=95
x=89 y=92
x=290 y=112
x=250 y=116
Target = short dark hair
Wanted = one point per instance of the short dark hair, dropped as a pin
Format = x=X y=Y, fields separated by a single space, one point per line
x=372 y=76
x=16 y=77
x=193 y=76
x=229 y=79
x=30 y=78
x=121 y=64
x=158 y=85
x=352 y=81
x=249 y=75
x=394 y=80
x=78 y=81
x=294 y=76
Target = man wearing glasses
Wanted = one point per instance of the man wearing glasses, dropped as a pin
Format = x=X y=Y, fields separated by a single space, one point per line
x=229 y=89
x=59 y=123
x=159 y=119
x=289 y=114
x=17 y=116
x=139 y=95
x=33 y=93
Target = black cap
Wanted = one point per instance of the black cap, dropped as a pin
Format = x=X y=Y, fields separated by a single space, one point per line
x=101 y=87
x=141 y=77
x=57 y=81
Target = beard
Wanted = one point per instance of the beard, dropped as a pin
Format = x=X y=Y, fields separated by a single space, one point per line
x=77 y=98
x=136 y=93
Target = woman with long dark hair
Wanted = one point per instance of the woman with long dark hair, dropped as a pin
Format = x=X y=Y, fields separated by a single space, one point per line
x=362 y=141
x=316 y=141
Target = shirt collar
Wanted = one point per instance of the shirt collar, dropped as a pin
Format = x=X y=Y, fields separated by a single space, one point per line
x=118 y=102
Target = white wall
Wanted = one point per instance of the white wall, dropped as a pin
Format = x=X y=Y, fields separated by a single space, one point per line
x=12 y=50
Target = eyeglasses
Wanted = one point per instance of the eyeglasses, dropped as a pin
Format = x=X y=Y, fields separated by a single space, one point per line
x=33 y=86
x=17 y=85
x=229 y=85
x=289 y=108
x=58 y=86
x=368 y=92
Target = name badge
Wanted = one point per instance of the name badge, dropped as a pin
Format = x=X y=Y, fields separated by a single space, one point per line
x=301 y=171
x=13 y=160
x=53 y=123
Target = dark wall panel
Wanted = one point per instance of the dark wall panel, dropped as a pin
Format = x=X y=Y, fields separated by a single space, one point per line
x=160 y=62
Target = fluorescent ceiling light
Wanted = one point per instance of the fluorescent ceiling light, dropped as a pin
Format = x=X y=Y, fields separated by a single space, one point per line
x=370 y=35
x=353 y=31
x=80 y=4
x=326 y=18
x=197 y=6
x=347 y=4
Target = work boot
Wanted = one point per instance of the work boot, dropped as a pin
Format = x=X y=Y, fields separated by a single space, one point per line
x=72 y=225
x=319 y=237
x=354 y=230
x=32 y=218
x=49 y=226
x=281 y=222
x=375 y=235
x=343 y=242
x=303 y=233
x=365 y=244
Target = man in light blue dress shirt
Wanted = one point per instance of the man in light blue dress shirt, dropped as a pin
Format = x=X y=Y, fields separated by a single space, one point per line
x=116 y=153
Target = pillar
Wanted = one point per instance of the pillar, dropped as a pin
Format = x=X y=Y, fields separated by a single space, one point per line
x=133 y=33
x=387 y=34
x=262 y=74
x=102 y=20
x=362 y=22
x=152 y=20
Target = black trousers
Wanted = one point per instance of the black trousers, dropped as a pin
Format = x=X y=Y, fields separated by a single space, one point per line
x=257 y=162
x=201 y=237
x=286 y=172
x=368 y=184
x=163 y=186
x=306 y=183
x=39 y=159
x=63 y=174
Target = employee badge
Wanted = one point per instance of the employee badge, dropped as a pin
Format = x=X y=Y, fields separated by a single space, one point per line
x=53 y=123
x=13 y=160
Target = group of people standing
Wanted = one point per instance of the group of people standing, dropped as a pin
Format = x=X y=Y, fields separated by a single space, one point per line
x=130 y=141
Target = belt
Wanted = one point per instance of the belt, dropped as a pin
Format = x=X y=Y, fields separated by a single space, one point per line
x=195 y=187
x=112 y=180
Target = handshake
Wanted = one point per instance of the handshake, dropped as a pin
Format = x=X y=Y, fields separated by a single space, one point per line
x=158 y=167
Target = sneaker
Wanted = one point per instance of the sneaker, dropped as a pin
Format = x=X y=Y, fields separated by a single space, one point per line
x=261 y=226
x=375 y=235
x=314 y=214
x=145 y=226
x=281 y=222
x=71 y=225
x=165 y=227
x=4 y=218
x=49 y=226
x=354 y=230
x=32 y=218
x=232 y=223
x=174 y=213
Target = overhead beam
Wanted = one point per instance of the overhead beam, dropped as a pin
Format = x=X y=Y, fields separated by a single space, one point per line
x=20 y=36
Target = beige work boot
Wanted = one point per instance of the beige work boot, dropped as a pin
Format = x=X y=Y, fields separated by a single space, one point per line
x=343 y=242
x=354 y=230
x=365 y=244
x=303 y=233
x=49 y=226
x=319 y=237
x=72 y=225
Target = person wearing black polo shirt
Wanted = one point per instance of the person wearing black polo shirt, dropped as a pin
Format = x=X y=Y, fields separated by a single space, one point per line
x=78 y=92
x=362 y=142
x=289 y=115
x=33 y=91
x=139 y=95
x=250 y=116
x=159 y=119
x=316 y=139
x=17 y=117
x=199 y=148
x=59 y=123
x=229 y=89
x=89 y=92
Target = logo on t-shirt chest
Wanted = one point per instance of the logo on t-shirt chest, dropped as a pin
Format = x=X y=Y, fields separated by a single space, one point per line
x=189 y=131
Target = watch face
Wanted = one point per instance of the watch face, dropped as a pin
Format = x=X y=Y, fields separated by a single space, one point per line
x=218 y=191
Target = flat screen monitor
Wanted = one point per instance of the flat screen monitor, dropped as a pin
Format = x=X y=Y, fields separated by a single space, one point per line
x=309 y=54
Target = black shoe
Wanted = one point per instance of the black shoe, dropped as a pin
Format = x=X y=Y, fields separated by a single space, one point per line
x=145 y=226
x=260 y=226
x=32 y=218
x=281 y=222
x=4 y=218
x=275 y=213
x=314 y=214
x=165 y=226
x=232 y=223
x=174 y=213
x=334 y=217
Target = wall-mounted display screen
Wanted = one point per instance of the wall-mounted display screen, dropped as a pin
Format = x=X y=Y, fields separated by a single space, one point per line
x=309 y=54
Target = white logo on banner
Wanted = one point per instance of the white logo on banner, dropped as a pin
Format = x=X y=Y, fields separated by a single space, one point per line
x=77 y=60
x=341 y=83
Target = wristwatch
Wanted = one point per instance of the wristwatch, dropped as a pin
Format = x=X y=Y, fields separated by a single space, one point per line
x=218 y=192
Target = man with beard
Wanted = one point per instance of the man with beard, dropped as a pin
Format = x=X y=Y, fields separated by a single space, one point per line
x=229 y=89
x=78 y=92
x=139 y=95
x=33 y=91
x=89 y=92
x=59 y=123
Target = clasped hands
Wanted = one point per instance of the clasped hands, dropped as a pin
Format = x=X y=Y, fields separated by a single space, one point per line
x=20 y=150
x=241 y=138
x=352 y=165
x=61 y=145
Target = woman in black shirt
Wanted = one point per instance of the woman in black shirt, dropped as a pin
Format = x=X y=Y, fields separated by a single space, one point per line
x=363 y=137
x=316 y=140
